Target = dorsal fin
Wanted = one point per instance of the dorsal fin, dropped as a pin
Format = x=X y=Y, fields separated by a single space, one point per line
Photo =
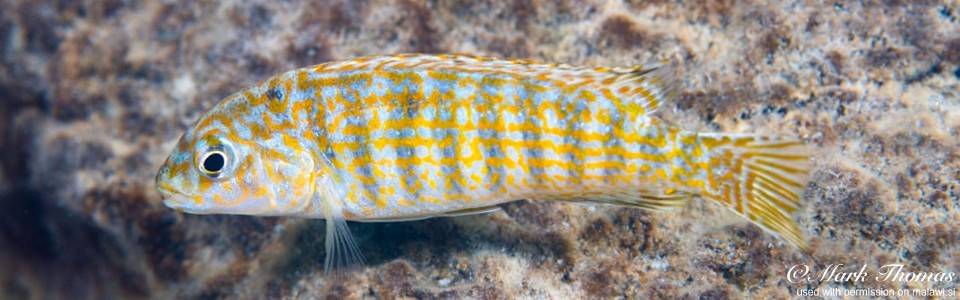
x=644 y=87
x=648 y=86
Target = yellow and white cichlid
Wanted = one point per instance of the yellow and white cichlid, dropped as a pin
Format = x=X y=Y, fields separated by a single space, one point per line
x=405 y=137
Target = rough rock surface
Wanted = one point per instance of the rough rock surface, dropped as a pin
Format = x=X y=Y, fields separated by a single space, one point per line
x=93 y=95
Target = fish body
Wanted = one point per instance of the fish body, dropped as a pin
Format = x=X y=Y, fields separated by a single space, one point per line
x=413 y=136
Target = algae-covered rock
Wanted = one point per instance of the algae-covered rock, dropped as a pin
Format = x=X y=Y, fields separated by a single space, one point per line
x=94 y=94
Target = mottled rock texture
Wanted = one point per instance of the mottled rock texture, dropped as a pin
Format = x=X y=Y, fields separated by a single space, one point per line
x=95 y=93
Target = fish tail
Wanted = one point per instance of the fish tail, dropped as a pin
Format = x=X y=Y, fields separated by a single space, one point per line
x=761 y=178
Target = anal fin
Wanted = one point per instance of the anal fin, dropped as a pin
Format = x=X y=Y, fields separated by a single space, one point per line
x=454 y=213
x=649 y=199
x=471 y=211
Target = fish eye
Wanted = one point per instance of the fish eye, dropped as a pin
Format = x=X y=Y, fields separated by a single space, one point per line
x=213 y=163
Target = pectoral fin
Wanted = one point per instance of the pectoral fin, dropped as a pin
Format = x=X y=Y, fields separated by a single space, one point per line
x=342 y=251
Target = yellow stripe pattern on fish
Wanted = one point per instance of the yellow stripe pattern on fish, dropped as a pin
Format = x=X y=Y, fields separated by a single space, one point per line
x=428 y=134
x=412 y=136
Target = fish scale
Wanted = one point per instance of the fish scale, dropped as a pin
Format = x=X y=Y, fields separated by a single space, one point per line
x=523 y=133
x=404 y=137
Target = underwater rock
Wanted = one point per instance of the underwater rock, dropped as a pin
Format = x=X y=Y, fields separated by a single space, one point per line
x=96 y=93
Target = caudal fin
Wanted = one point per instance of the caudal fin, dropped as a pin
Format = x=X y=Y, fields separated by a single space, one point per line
x=761 y=178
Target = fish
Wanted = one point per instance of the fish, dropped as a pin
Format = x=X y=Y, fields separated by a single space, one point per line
x=413 y=136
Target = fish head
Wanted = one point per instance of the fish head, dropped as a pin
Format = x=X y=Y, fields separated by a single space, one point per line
x=216 y=170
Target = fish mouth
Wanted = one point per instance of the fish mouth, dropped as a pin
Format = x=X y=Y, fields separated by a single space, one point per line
x=167 y=191
x=171 y=197
x=179 y=201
